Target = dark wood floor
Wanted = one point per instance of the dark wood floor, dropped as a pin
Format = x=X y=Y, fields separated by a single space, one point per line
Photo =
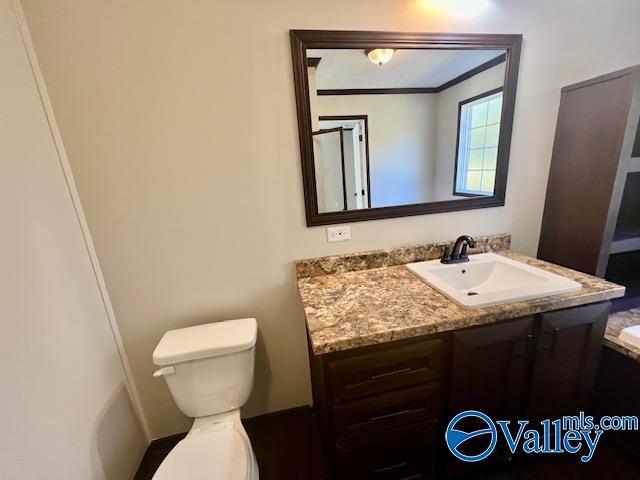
x=287 y=447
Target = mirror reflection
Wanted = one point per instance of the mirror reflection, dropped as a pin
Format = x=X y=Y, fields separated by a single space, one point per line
x=402 y=127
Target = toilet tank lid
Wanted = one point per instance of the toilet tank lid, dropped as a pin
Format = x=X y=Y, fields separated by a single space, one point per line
x=209 y=340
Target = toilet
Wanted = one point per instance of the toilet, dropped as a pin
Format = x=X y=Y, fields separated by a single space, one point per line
x=209 y=371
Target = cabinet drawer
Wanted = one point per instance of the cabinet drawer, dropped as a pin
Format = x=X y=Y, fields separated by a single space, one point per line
x=407 y=453
x=385 y=412
x=385 y=370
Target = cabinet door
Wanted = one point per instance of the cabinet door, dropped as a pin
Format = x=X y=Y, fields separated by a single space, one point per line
x=490 y=366
x=567 y=360
x=617 y=391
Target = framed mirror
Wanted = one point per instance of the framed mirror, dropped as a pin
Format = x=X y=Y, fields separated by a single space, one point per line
x=397 y=124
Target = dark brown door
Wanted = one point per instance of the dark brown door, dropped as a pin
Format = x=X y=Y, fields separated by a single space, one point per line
x=491 y=365
x=567 y=360
x=584 y=166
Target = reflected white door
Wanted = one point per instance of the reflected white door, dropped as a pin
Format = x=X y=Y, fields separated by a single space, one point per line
x=353 y=131
x=329 y=169
x=351 y=170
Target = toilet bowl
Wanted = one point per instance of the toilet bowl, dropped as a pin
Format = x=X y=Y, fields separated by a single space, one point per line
x=209 y=371
x=216 y=450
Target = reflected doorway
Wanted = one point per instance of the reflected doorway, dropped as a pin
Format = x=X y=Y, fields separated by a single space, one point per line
x=342 y=173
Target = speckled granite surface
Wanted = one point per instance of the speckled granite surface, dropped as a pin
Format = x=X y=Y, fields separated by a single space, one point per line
x=390 y=257
x=617 y=322
x=367 y=307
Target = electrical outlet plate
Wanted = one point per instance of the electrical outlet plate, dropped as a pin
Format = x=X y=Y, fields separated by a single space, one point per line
x=338 y=234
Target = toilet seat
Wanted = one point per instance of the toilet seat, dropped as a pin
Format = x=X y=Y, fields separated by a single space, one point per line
x=215 y=455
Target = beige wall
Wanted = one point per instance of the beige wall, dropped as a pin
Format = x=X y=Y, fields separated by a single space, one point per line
x=402 y=138
x=180 y=123
x=65 y=412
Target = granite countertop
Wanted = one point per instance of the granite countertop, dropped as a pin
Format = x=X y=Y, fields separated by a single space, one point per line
x=617 y=322
x=371 y=306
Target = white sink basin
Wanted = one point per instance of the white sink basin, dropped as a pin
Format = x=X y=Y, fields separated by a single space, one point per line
x=490 y=279
x=631 y=336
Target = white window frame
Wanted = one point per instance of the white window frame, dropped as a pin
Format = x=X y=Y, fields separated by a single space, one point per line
x=464 y=140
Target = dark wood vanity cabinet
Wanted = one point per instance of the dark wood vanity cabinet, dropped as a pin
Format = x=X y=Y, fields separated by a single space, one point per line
x=616 y=393
x=383 y=409
x=491 y=366
x=567 y=356
x=380 y=407
x=490 y=373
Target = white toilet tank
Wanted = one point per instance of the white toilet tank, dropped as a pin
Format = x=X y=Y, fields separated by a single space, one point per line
x=208 y=368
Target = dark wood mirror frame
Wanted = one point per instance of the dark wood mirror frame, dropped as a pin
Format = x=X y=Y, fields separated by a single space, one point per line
x=301 y=40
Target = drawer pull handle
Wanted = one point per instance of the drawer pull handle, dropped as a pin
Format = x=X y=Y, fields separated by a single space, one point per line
x=389 y=415
x=389 y=374
x=356 y=426
x=342 y=448
x=375 y=378
x=390 y=468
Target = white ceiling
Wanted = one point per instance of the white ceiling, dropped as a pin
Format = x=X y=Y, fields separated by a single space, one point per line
x=340 y=69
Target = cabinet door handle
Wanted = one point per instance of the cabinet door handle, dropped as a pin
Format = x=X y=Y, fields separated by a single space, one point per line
x=389 y=374
x=521 y=346
x=554 y=340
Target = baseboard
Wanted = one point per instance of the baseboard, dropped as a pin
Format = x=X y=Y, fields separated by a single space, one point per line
x=288 y=411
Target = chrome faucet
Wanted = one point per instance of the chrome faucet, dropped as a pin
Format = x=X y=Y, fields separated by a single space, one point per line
x=460 y=251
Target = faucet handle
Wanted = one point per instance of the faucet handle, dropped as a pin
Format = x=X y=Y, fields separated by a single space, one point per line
x=446 y=256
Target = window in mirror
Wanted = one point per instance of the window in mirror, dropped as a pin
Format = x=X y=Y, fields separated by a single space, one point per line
x=478 y=137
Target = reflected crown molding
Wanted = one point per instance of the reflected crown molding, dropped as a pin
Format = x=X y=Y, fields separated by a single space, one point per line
x=404 y=91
